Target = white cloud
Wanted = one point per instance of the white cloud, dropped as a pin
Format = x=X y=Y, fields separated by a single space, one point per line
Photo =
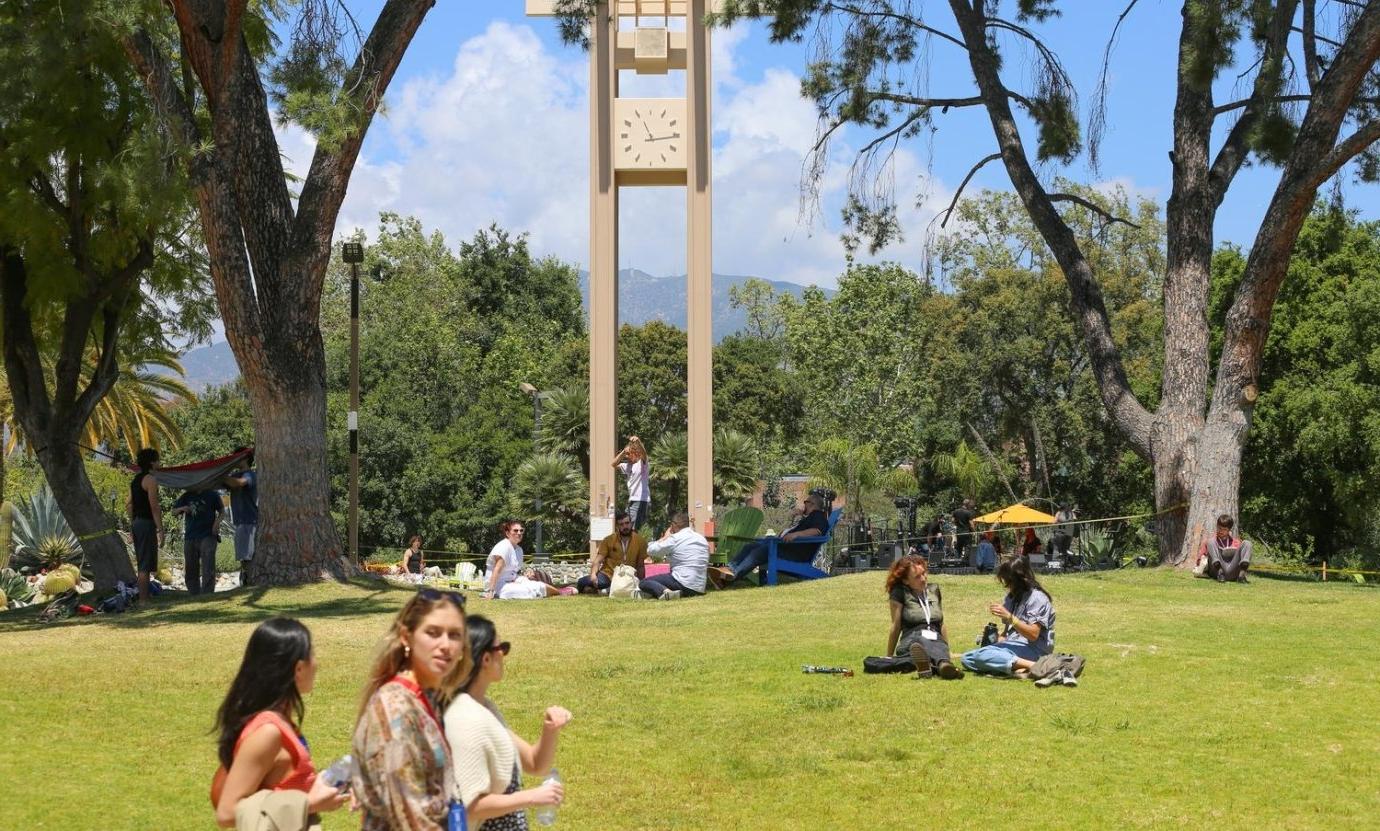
x=503 y=137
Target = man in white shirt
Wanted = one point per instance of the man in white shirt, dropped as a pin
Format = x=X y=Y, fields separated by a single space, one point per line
x=688 y=552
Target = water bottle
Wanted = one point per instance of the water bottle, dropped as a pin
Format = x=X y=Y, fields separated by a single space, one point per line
x=341 y=773
x=546 y=814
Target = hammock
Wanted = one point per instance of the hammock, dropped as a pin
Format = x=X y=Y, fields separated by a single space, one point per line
x=198 y=476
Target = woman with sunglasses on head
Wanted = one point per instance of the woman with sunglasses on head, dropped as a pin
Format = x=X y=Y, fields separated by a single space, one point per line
x=403 y=782
x=489 y=758
x=261 y=745
x=505 y=562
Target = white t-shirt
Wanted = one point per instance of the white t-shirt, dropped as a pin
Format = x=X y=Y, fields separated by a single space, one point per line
x=638 y=490
x=512 y=562
x=688 y=552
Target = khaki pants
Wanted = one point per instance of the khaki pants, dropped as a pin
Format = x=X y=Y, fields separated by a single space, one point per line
x=275 y=811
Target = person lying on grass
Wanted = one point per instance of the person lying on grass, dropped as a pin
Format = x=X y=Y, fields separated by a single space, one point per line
x=918 y=629
x=263 y=754
x=1027 y=615
x=489 y=758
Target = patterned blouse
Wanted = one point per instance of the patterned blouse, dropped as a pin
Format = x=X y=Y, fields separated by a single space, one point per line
x=404 y=780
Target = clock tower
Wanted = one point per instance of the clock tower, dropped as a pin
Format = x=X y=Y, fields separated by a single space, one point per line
x=647 y=142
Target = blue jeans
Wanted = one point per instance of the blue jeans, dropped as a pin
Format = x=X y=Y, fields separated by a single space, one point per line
x=653 y=586
x=998 y=658
x=753 y=555
x=601 y=582
x=637 y=512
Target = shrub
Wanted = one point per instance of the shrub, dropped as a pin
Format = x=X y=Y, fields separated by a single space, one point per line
x=42 y=537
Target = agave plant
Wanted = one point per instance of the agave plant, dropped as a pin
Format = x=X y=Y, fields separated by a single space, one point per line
x=14 y=588
x=42 y=537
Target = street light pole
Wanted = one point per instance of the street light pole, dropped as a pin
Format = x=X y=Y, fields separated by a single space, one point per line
x=353 y=253
x=537 y=396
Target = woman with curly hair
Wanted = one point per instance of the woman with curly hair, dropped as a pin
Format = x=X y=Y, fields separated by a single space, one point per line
x=917 y=619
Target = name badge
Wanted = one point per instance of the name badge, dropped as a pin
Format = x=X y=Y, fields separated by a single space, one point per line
x=929 y=634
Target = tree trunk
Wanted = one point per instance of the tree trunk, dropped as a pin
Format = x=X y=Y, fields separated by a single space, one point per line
x=1197 y=478
x=297 y=541
x=107 y=559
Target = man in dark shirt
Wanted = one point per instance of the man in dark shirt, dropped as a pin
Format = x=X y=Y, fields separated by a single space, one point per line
x=200 y=536
x=963 y=528
x=811 y=521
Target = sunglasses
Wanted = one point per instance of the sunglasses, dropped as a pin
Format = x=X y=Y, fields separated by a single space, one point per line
x=517 y=530
x=433 y=595
x=504 y=647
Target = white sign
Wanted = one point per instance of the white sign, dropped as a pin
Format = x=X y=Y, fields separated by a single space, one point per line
x=600 y=527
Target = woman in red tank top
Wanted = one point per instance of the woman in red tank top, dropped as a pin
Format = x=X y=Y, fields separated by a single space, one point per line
x=261 y=746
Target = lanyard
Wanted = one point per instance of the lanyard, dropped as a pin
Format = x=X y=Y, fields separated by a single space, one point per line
x=924 y=601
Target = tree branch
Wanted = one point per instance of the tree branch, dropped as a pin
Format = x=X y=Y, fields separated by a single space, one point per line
x=961 y=185
x=1092 y=206
x=324 y=189
x=1086 y=298
x=1311 y=67
x=1346 y=150
x=906 y=19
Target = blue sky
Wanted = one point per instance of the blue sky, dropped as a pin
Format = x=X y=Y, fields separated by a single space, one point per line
x=486 y=122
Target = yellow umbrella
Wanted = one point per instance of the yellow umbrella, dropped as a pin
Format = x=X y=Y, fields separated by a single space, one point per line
x=1016 y=515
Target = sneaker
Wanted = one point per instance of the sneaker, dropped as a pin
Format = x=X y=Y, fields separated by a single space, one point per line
x=1049 y=680
x=1241 y=578
x=949 y=671
x=670 y=594
x=1067 y=678
x=923 y=669
x=637 y=595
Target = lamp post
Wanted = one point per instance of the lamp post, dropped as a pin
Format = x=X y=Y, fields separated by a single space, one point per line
x=537 y=396
x=353 y=253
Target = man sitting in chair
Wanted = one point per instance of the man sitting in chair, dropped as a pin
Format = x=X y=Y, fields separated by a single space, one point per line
x=810 y=521
x=624 y=547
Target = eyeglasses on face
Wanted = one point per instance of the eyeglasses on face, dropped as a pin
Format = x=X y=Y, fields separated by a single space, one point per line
x=517 y=530
x=433 y=595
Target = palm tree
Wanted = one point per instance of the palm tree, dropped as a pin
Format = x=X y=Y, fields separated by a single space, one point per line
x=965 y=467
x=555 y=479
x=669 y=464
x=133 y=414
x=565 y=423
x=735 y=465
x=849 y=468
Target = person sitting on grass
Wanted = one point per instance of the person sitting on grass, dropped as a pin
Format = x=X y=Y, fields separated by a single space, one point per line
x=810 y=521
x=532 y=584
x=623 y=547
x=489 y=758
x=917 y=619
x=413 y=561
x=688 y=553
x=1027 y=615
x=265 y=764
x=1224 y=557
x=986 y=553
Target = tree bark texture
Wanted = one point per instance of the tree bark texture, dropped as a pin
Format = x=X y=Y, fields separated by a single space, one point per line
x=268 y=261
x=53 y=422
x=1194 y=442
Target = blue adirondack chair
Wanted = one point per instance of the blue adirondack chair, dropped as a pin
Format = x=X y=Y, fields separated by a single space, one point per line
x=805 y=571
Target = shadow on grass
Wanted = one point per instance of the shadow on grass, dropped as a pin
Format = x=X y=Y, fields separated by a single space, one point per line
x=244 y=605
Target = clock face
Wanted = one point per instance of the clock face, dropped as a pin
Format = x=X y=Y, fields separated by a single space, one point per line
x=649 y=134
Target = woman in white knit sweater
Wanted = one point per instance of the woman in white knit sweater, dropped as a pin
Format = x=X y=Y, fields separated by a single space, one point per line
x=489 y=759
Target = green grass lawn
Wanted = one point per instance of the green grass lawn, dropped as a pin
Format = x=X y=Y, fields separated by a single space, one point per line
x=1203 y=705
